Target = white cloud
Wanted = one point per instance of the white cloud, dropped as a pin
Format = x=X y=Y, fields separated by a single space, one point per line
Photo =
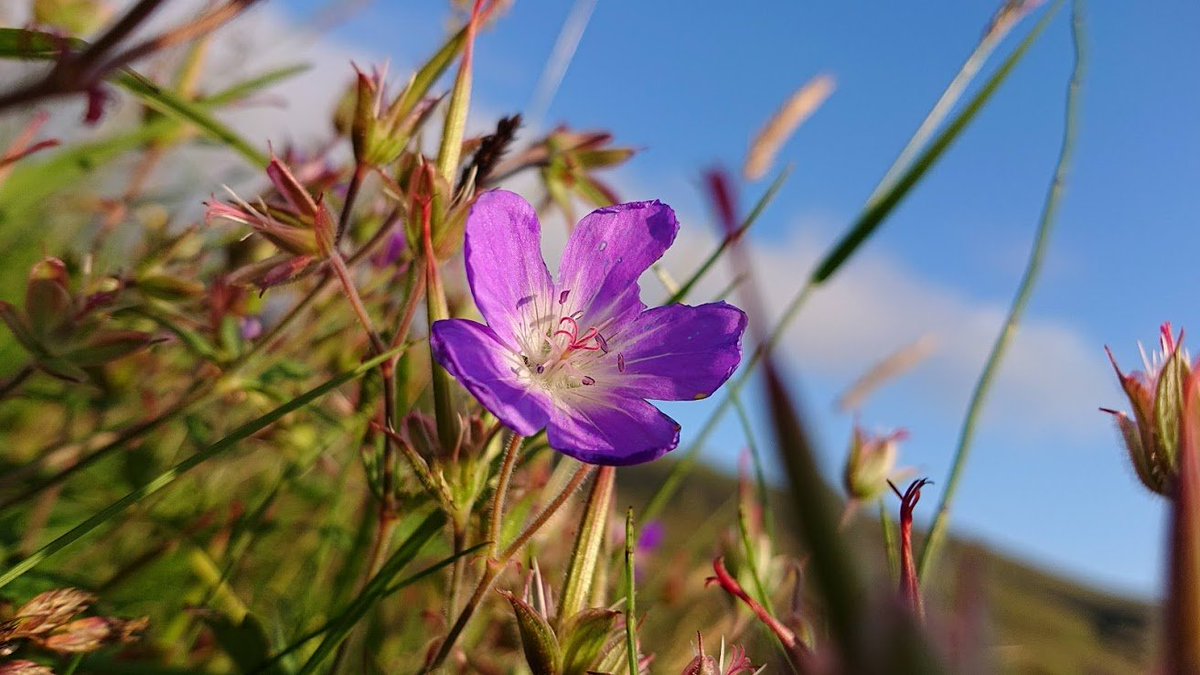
x=1050 y=382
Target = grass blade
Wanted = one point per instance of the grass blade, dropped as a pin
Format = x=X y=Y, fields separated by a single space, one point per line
x=768 y=196
x=376 y=588
x=879 y=208
x=171 y=475
x=937 y=532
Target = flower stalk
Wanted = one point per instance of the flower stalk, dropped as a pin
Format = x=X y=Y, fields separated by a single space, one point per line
x=581 y=572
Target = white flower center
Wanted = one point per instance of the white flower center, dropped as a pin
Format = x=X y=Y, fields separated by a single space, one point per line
x=558 y=353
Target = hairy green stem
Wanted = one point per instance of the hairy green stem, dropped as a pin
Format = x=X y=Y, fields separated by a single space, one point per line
x=506 y=470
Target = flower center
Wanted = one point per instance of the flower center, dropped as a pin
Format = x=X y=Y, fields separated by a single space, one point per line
x=561 y=354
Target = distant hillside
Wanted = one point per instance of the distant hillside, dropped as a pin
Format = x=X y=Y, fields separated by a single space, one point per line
x=1040 y=622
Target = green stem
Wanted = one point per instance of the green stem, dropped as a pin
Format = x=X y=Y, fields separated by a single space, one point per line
x=593 y=526
x=937 y=533
x=890 y=541
x=631 y=640
x=506 y=470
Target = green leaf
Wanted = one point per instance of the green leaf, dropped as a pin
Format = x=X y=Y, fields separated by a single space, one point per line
x=376 y=588
x=428 y=74
x=197 y=114
x=18 y=43
x=877 y=210
x=542 y=653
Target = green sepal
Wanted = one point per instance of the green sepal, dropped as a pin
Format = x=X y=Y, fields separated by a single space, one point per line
x=542 y=653
x=584 y=638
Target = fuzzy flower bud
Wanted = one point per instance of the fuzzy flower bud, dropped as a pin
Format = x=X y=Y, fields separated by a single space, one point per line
x=380 y=134
x=1151 y=434
x=871 y=462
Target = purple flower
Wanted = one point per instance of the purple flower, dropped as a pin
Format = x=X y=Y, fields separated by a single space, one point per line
x=581 y=357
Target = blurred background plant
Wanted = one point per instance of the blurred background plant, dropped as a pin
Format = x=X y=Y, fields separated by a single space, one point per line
x=228 y=421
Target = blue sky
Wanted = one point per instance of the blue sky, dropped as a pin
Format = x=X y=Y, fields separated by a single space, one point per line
x=691 y=82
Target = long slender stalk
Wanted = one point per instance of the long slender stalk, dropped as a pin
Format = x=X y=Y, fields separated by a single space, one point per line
x=593 y=527
x=16 y=381
x=506 y=469
x=937 y=533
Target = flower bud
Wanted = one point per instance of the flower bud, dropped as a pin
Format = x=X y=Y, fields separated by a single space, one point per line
x=583 y=638
x=871 y=462
x=542 y=653
x=92 y=633
x=48 y=302
x=1151 y=435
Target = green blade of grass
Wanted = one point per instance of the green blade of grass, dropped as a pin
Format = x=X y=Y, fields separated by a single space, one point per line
x=171 y=475
x=253 y=85
x=1054 y=193
x=768 y=196
x=631 y=646
x=873 y=215
x=172 y=105
x=879 y=208
x=376 y=588
x=834 y=573
x=29 y=44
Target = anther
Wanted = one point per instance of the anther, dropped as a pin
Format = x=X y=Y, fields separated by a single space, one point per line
x=562 y=297
x=621 y=363
x=541 y=369
x=589 y=380
x=602 y=342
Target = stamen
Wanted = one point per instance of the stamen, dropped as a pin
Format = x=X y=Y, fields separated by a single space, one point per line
x=589 y=380
x=621 y=363
x=602 y=342
x=571 y=334
x=562 y=297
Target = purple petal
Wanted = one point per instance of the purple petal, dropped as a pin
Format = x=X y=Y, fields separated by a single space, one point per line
x=508 y=277
x=611 y=432
x=679 y=353
x=475 y=356
x=608 y=251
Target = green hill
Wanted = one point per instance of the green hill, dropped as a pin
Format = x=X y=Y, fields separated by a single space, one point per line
x=1035 y=621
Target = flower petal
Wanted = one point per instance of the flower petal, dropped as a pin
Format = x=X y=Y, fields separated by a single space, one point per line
x=611 y=431
x=608 y=251
x=679 y=353
x=475 y=356
x=508 y=276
